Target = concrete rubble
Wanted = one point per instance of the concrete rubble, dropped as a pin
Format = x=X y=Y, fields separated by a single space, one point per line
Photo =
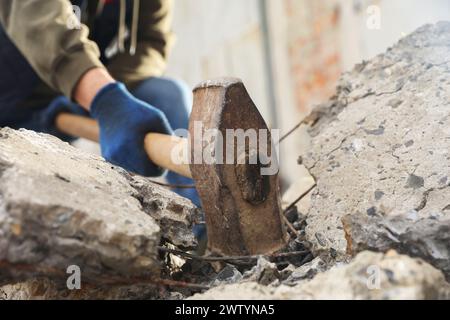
x=427 y=238
x=45 y=289
x=369 y=276
x=306 y=271
x=60 y=206
x=385 y=137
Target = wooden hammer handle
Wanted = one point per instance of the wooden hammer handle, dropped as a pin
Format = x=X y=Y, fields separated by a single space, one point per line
x=164 y=150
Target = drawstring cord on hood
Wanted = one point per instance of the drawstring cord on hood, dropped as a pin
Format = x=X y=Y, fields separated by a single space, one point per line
x=100 y=6
x=122 y=25
x=134 y=27
x=121 y=36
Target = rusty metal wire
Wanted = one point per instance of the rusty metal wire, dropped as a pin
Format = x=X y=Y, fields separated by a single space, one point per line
x=229 y=258
x=287 y=134
x=111 y=280
x=290 y=206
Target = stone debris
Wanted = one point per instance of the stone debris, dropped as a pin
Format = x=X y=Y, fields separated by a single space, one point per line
x=60 y=206
x=306 y=271
x=427 y=238
x=370 y=275
x=237 y=291
x=380 y=154
x=175 y=215
x=265 y=272
x=229 y=274
x=45 y=289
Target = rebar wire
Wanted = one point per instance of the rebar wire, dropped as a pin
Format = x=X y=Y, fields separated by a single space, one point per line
x=287 y=134
x=230 y=258
x=156 y=281
x=105 y=279
x=290 y=206
x=299 y=198
x=289 y=225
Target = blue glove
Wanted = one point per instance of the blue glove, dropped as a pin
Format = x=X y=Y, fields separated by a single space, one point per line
x=44 y=121
x=124 y=121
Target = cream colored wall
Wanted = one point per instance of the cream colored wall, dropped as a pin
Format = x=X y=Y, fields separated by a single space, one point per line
x=218 y=38
x=397 y=18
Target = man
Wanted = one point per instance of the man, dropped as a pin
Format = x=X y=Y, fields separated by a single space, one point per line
x=49 y=65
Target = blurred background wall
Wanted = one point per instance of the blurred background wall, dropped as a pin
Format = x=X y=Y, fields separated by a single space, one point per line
x=289 y=53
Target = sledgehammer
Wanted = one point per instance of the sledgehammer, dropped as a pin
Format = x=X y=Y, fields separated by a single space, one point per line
x=242 y=205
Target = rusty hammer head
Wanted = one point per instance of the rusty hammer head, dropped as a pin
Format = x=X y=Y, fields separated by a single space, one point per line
x=230 y=148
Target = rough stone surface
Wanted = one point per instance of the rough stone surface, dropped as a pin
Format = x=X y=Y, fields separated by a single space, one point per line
x=45 y=289
x=306 y=271
x=229 y=274
x=60 y=206
x=265 y=272
x=236 y=291
x=369 y=276
x=380 y=148
x=428 y=238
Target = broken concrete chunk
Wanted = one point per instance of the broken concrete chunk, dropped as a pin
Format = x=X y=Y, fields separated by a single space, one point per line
x=236 y=291
x=175 y=215
x=265 y=272
x=378 y=276
x=387 y=127
x=229 y=274
x=369 y=276
x=45 y=289
x=306 y=271
x=60 y=206
x=427 y=238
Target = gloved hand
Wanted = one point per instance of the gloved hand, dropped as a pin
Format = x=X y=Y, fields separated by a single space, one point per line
x=44 y=120
x=124 y=121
